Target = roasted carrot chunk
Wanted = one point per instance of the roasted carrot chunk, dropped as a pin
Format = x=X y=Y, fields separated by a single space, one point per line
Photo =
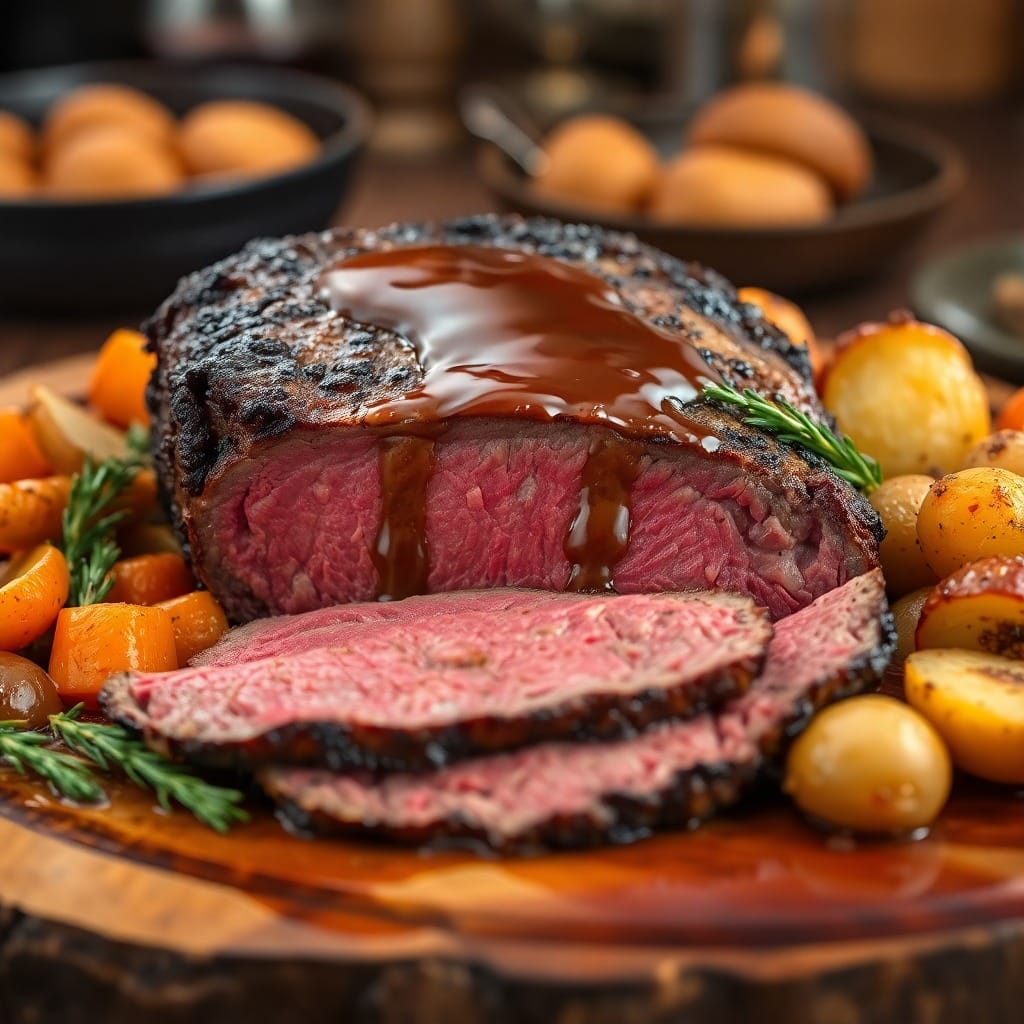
x=33 y=589
x=198 y=621
x=118 y=386
x=20 y=455
x=93 y=642
x=30 y=512
x=149 y=579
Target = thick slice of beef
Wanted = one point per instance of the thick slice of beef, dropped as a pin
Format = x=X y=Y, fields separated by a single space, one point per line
x=572 y=794
x=337 y=625
x=423 y=692
x=273 y=468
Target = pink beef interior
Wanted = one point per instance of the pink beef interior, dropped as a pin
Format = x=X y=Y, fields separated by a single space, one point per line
x=508 y=794
x=292 y=530
x=454 y=668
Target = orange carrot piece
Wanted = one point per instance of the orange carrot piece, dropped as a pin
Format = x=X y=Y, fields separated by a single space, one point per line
x=1011 y=416
x=198 y=621
x=33 y=589
x=149 y=579
x=93 y=642
x=118 y=386
x=20 y=455
x=30 y=512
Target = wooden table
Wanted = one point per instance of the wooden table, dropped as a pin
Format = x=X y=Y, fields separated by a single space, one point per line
x=992 y=142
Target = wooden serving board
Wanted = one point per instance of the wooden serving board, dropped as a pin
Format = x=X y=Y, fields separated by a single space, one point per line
x=124 y=913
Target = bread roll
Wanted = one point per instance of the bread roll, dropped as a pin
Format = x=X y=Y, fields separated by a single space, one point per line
x=111 y=162
x=236 y=137
x=789 y=122
x=92 y=106
x=598 y=162
x=717 y=186
x=17 y=179
x=16 y=137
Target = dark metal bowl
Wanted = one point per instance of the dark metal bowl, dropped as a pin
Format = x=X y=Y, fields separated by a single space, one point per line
x=84 y=256
x=916 y=174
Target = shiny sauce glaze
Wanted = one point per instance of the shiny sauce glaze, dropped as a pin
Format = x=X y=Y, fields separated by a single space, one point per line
x=506 y=333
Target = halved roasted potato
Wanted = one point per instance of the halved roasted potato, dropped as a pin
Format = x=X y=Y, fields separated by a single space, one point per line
x=979 y=608
x=1004 y=449
x=975 y=701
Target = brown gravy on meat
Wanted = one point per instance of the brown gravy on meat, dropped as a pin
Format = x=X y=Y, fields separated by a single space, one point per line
x=502 y=332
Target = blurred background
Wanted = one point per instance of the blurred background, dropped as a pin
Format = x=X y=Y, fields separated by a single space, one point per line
x=948 y=67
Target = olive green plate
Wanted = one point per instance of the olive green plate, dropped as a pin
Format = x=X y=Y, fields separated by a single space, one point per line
x=955 y=291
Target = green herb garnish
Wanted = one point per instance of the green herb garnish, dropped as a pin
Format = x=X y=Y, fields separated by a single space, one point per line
x=29 y=751
x=795 y=427
x=113 y=747
x=88 y=526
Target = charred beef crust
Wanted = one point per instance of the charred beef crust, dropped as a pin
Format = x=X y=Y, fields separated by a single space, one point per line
x=246 y=350
x=593 y=718
x=692 y=797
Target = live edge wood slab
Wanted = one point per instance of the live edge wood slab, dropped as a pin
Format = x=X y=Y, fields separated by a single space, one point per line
x=123 y=914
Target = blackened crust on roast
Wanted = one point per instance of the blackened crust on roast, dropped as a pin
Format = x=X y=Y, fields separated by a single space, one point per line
x=592 y=718
x=246 y=349
x=693 y=795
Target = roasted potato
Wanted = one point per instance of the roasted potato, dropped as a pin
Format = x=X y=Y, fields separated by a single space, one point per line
x=1004 y=449
x=906 y=613
x=906 y=393
x=976 y=702
x=973 y=514
x=980 y=607
x=898 y=501
x=870 y=764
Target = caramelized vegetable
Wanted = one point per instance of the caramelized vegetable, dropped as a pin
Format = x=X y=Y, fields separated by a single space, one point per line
x=976 y=701
x=33 y=589
x=93 y=642
x=898 y=502
x=790 y=319
x=969 y=515
x=30 y=512
x=1004 y=449
x=20 y=457
x=198 y=621
x=27 y=693
x=1011 y=416
x=906 y=613
x=139 y=499
x=979 y=607
x=67 y=432
x=149 y=579
x=907 y=394
x=870 y=764
x=118 y=386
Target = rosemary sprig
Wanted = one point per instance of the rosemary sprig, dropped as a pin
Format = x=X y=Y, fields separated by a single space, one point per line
x=31 y=752
x=88 y=526
x=137 y=440
x=796 y=427
x=113 y=747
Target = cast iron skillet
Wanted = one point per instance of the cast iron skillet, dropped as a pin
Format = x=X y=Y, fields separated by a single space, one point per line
x=79 y=257
x=916 y=174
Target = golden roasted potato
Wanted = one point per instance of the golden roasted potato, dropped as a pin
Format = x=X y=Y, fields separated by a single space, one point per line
x=66 y=432
x=979 y=608
x=976 y=702
x=870 y=764
x=1004 y=449
x=897 y=502
x=906 y=613
x=907 y=394
x=973 y=514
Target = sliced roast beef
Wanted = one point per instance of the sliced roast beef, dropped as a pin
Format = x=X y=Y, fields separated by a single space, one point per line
x=325 y=434
x=572 y=794
x=424 y=691
x=283 y=635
